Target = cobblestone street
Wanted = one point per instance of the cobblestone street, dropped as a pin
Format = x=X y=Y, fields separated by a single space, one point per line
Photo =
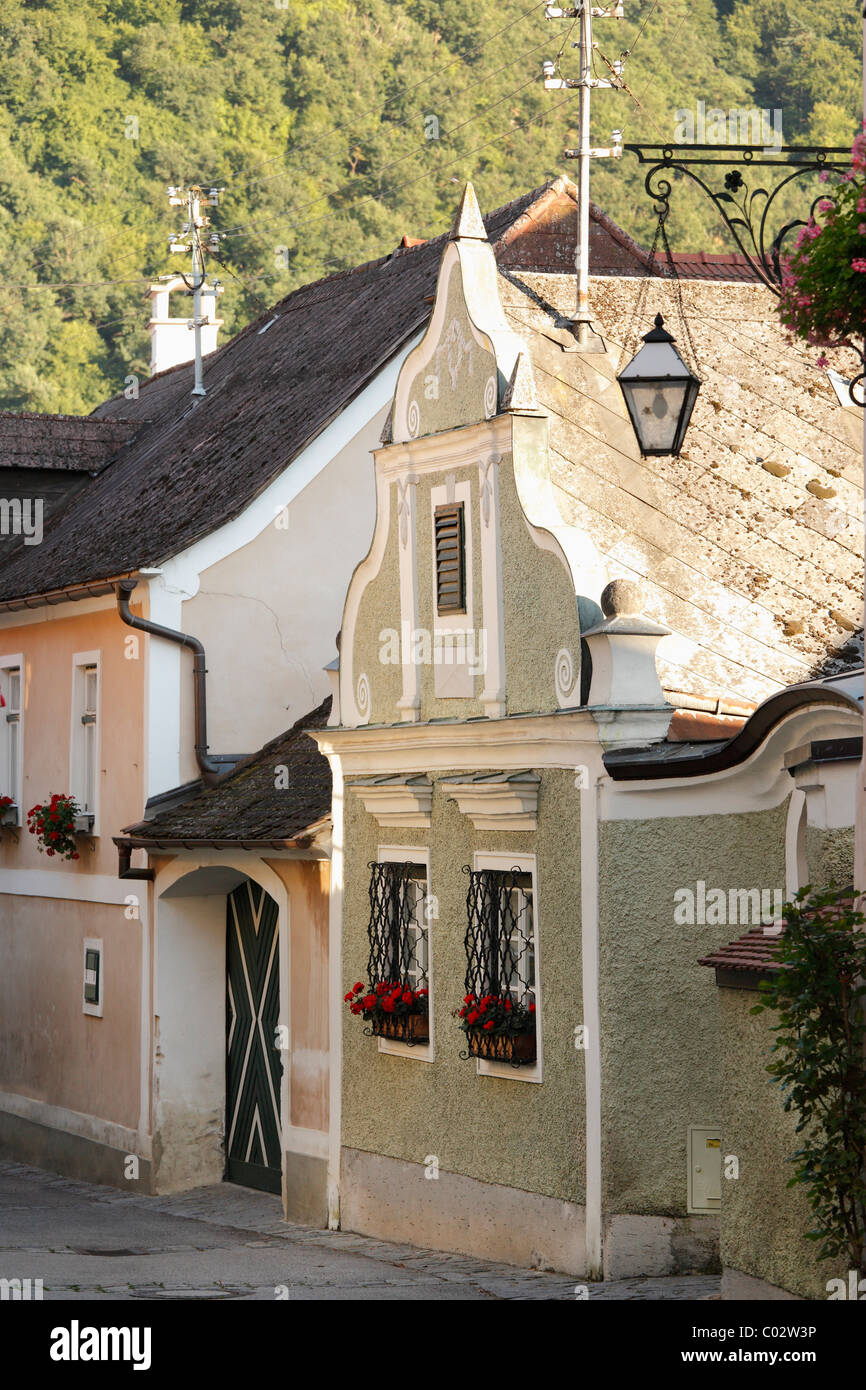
x=226 y=1242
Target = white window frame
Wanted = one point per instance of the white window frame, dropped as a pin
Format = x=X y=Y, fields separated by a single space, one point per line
x=526 y=863
x=8 y=664
x=93 y=943
x=421 y=1052
x=76 y=736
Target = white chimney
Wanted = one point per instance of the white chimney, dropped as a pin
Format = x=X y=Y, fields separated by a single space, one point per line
x=172 y=340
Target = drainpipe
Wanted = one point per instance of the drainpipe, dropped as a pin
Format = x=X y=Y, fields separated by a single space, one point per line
x=210 y=770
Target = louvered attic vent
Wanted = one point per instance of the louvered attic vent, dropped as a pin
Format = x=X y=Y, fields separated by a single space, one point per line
x=450 y=559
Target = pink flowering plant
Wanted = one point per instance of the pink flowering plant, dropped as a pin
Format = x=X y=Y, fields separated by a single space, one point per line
x=823 y=296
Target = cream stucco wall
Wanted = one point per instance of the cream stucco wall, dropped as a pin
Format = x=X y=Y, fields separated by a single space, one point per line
x=516 y=1133
x=763 y=1221
x=269 y=613
x=50 y=1050
x=90 y=1069
x=659 y=1009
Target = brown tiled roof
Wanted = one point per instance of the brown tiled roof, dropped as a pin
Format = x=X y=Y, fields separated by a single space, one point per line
x=69 y=442
x=754 y=952
x=246 y=807
x=704 y=265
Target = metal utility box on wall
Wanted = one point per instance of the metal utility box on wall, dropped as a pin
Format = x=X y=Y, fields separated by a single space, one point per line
x=92 y=990
x=704 y=1149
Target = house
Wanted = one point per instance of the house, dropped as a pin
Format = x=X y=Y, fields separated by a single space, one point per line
x=557 y=662
x=184 y=604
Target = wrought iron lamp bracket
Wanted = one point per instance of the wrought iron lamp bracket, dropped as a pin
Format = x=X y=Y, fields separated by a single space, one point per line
x=746 y=219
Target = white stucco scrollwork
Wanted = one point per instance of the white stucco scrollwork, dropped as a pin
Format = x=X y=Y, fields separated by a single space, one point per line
x=564 y=679
x=403 y=509
x=413 y=420
x=362 y=697
x=491 y=397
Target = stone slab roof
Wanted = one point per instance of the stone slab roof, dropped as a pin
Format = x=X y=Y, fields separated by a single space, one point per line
x=750 y=543
x=246 y=808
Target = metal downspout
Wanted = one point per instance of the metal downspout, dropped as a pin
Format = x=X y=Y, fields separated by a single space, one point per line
x=210 y=770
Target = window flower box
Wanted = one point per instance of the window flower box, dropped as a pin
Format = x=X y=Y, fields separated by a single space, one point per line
x=409 y=1028
x=498 y=1029
x=8 y=811
x=83 y=823
x=516 y=1048
x=391 y=1009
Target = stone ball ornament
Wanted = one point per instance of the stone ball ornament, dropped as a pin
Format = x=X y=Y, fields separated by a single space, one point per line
x=623 y=598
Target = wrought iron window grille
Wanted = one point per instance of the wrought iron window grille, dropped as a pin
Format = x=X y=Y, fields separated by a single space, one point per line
x=399 y=944
x=500 y=973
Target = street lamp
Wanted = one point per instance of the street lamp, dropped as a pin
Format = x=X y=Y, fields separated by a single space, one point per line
x=659 y=392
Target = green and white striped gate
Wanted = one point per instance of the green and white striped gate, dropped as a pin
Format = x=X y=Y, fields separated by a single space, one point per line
x=253 y=1066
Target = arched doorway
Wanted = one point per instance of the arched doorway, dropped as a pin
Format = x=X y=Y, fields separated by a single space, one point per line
x=253 y=1065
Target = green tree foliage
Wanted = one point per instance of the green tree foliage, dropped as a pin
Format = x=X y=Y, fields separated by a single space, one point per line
x=336 y=129
x=820 y=1062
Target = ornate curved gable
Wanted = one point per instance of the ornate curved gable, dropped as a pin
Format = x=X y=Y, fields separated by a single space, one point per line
x=459 y=372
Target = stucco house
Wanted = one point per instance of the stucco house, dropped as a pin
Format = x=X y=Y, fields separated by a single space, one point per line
x=174 y=614
x=413 y=454
x=558 y=665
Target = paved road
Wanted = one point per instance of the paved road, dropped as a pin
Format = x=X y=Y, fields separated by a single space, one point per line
x=227 y=1242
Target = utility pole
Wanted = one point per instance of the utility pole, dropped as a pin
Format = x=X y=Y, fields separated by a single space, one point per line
x=189 y=242
x=581 y=325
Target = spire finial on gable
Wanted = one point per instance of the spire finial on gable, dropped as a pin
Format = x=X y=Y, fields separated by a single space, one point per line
x=468 y=224
x=520 y=392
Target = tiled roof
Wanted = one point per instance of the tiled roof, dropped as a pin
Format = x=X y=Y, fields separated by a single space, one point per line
x=195 y=465
x=72 y=443
x=703 y=265
x=754 y=952
x=247 y=807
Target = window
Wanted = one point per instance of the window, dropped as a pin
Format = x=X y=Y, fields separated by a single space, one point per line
x=450 y=559
x=92 y=988
x=10 y=735
x=84 y=760
x=399 y=937
x=503 y=1016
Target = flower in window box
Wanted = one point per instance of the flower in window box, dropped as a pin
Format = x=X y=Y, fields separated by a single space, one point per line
x=8 y=810
x=53 y=824
x=498 y=1028
x=392 y=1009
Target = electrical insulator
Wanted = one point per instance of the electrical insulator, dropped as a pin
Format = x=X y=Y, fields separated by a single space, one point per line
x=548 y=68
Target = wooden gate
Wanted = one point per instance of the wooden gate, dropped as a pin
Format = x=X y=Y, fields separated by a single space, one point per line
x=253 y=1066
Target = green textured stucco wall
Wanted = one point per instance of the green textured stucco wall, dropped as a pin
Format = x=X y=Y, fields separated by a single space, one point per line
x=521 y=1134
x=659 y=1008
x=763 y=1222
x=449 y=389
x=830 y=856
x=380 y=610
x=538 y=599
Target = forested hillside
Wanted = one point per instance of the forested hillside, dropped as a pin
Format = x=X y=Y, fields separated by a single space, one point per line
x=336 y=128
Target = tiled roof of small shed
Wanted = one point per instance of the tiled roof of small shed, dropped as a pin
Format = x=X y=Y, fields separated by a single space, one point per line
x=247 y=807
x=756 y=951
